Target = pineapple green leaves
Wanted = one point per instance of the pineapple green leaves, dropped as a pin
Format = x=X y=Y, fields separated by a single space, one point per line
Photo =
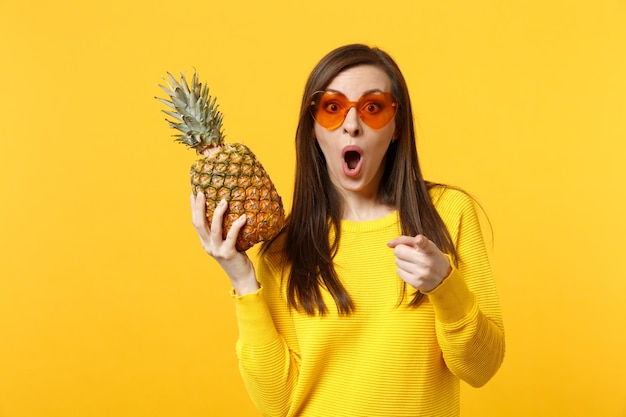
x=195 y=112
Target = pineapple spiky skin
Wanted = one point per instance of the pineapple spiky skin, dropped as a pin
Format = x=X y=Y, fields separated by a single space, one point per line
x=234 y=174
x=226 y=171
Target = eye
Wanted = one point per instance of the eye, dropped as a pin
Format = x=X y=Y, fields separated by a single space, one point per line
x=372 y=107
x=331 y=107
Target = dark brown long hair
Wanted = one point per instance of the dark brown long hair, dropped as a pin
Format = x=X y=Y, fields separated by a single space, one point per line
x=316 y=202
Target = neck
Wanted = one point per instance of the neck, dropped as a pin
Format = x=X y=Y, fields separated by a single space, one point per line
x=359 y=209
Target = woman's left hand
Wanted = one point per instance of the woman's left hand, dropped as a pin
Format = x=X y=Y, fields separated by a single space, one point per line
x=420 y=262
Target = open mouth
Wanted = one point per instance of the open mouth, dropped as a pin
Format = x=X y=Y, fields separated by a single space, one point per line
x=352 y=159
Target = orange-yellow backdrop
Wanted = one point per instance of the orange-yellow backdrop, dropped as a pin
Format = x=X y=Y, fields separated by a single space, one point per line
x=108 y=306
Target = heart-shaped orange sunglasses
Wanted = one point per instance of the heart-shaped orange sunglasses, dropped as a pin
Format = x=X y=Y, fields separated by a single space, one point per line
x=329 y=109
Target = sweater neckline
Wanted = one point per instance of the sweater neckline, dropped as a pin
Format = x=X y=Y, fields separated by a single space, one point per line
x=370 y=225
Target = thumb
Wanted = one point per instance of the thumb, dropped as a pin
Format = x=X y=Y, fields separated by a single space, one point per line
x=422 y=243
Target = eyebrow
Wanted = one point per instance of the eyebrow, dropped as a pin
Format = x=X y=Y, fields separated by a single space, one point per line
x=374 y=90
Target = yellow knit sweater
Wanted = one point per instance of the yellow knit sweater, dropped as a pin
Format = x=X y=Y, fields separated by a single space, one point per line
x=384 y=359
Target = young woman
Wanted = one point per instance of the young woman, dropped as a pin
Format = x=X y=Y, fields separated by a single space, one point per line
x=377 y=298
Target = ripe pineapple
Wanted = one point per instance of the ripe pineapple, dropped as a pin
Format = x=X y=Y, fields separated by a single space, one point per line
x=227 y=171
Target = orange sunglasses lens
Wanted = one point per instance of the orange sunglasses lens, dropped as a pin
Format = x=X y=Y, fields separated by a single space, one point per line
x=375 y=109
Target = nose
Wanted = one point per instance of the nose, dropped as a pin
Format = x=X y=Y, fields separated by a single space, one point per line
x=352 y=122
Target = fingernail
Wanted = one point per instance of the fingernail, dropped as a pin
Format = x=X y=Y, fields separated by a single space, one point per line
x=222 y=202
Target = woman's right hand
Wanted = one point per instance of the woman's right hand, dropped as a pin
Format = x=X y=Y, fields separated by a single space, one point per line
x=236 y=264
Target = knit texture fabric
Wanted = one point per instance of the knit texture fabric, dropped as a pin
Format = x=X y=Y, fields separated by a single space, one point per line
x=386 y=358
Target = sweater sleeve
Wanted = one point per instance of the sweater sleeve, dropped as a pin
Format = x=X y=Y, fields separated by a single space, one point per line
x=269 y=366
x=468 y=318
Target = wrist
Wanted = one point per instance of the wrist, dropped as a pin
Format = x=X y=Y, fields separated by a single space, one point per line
x=452 y=300
x=246 y=287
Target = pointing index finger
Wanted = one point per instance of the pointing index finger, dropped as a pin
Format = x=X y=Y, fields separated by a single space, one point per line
x=402 y=240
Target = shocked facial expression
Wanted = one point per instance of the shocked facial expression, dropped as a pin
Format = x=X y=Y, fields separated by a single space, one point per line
x=355 y=151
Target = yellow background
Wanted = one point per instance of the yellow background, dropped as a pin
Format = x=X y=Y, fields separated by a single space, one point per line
x=108 y=306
